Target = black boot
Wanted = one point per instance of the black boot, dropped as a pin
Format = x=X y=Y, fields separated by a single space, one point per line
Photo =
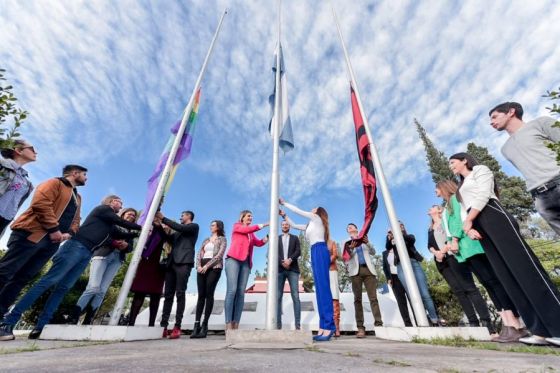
x=74 y=316
x=196 y=330
x=90 y=314
x=203 y=330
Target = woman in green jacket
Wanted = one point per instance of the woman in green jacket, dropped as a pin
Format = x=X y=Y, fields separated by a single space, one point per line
x=470 y=253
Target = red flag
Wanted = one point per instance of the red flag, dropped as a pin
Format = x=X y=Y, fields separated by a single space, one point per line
x=368 y=176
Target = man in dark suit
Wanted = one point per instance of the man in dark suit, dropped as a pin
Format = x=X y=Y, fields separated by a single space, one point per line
x=179 y=266
x=288 y=253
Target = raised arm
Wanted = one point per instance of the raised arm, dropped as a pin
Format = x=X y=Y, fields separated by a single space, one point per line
x=191 y=228
x=301 y=227
x=247 y=229
x=307 y=214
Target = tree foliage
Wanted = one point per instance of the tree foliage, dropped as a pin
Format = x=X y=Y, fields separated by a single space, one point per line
x=11 y=116
x=437 y=160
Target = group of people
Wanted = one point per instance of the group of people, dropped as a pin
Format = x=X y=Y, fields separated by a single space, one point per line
x=471 y=233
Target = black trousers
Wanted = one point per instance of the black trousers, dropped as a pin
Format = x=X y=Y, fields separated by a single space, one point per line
x=521 y=273
x=400 y=295
x=176 y=278
x=206 y=287
x=482 y=269
x=461 y=282
x=3 y=225
x=21 y=263
x=138 y=301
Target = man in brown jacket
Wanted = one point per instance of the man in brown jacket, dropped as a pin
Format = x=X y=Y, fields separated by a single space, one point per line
x=52 y=217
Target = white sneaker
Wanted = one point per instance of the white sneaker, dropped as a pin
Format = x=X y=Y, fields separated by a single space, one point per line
x=534 y=340
x=554 y=341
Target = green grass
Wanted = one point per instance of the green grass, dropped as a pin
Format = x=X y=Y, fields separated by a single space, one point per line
x=394 y=363
x=471 y=343
x=34 y=346
x=29 y=348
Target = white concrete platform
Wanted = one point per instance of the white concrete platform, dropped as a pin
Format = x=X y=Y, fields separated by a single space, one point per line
x=100 y=333
x=406 y=334
x=274 y=339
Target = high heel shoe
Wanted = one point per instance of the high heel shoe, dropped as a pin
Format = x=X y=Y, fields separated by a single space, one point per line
x=325 y=338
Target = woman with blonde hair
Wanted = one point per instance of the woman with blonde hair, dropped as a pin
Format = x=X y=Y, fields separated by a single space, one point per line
x=239 y=261
x=317 y=233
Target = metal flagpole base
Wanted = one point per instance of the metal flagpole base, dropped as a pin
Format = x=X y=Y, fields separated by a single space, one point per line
x=407 y=334
x=271 y=339
x=100 y=333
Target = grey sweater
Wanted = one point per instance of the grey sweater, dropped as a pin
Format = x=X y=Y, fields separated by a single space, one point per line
x=527 y=150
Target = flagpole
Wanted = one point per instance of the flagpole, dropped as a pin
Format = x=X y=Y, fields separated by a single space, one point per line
x=412 y=286
x=272 y=270
x=131 y=272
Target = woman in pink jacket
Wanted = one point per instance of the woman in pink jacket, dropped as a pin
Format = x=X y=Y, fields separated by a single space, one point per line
x=239 y=261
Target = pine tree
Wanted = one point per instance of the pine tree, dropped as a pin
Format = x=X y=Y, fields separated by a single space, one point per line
x=513 y=190
x=437 y=161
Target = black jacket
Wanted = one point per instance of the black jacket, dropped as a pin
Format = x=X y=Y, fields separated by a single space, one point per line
x=409 y=240
x=108 y=248
x=433 y=243
x=100 y=227
x=294 y=252
x=182 y=241
x=386 y=268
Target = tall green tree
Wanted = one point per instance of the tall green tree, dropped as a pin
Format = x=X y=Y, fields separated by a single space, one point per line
x=513 y=190
x=437 y=161
x=11 y=116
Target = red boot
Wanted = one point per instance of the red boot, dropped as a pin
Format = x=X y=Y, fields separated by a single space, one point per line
x=336 y=309
x=176 y=333
x=166 y=333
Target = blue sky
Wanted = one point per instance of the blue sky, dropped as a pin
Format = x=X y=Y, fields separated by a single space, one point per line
x=104 y=81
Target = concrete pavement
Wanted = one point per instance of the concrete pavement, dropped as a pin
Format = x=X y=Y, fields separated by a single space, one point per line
x=346 y=354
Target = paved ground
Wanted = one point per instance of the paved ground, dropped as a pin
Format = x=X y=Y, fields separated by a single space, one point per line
x=347 y=354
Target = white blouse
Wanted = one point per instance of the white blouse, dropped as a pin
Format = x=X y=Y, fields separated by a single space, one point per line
x=314 y=230
x=208 y=250
x=477 y=188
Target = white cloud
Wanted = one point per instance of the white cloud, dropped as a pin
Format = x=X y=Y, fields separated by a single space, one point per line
x=105 y=79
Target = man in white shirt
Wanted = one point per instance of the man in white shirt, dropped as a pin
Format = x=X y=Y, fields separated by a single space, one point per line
x=362 y=272
x=526 y=149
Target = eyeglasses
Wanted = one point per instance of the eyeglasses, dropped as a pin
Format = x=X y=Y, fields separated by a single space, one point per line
x=29 y=147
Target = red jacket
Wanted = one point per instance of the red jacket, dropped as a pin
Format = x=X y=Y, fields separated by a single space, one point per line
x=242 y=242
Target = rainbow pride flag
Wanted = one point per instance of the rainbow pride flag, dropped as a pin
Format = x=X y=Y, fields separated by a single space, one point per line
x=182 y=153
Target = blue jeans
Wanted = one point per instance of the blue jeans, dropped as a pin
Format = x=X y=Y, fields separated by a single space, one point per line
x=68 y=263
x=420 y=277
x=237 y=275
x=101 y=274
x=293 y=278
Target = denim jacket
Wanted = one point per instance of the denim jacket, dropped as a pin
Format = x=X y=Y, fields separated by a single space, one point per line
x=7 y=175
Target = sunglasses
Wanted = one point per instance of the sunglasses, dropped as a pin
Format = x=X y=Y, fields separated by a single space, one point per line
x=29 y=147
